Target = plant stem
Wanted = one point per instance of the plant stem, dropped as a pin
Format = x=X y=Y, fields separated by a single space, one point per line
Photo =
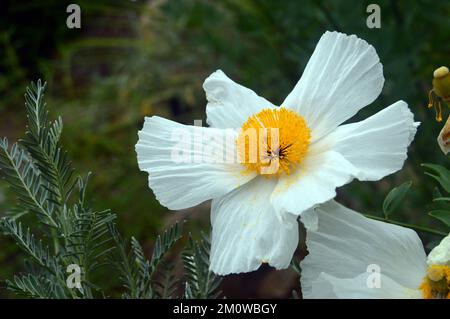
x=415 y=227
x=55 y=239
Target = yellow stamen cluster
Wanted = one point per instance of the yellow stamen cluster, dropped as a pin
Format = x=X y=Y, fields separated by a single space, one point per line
x=436 y=285
x=440 y=91
x=273 y=142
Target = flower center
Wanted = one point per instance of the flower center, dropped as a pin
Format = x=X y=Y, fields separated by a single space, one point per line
x=273 y=142
x=436 y=285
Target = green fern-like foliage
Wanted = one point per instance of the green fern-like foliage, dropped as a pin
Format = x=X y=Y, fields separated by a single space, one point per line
x=56 y=228
x=68 y=231
x=137 y=272
x=201 y=283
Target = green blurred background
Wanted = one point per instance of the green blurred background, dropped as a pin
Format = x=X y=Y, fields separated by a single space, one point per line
x=133 y=59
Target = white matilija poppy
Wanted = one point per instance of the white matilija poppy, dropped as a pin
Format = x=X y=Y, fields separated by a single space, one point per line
x=351 y=256
x=255 y=204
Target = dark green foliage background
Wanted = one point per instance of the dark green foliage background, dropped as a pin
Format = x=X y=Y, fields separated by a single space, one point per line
x=132 y=59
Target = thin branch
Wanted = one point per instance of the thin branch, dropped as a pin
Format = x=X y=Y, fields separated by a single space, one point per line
x=412 y=226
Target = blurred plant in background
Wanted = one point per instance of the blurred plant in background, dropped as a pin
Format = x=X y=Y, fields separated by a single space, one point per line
x=59 y=233
x=133 y=59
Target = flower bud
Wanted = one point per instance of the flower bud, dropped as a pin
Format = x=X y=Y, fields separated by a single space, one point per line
x=441 y=83
x=440 y=91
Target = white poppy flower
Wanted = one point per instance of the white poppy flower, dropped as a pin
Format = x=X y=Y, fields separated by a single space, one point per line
x=254 y=209
x=351 y=256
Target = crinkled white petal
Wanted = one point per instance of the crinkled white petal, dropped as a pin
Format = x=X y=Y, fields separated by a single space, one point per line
x=362 y=286
x=230 y=104
x=246 y=231
x=188 y=165
x=346 y=244
x=378 y=145
x=342 y=76
x=440 y=255
x=310 y=219
x=314 y=182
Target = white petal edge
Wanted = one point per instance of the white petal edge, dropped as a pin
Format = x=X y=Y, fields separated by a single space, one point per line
x=376 y=146
x=188 y=165
x=246 y=231
x=342 y=76
x=230 y=104
x=346 y=243
x=314 y=182
x=330 y=287
x=440 y=255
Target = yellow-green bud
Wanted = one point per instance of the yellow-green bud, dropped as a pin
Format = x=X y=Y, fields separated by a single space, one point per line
x=441 y=83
